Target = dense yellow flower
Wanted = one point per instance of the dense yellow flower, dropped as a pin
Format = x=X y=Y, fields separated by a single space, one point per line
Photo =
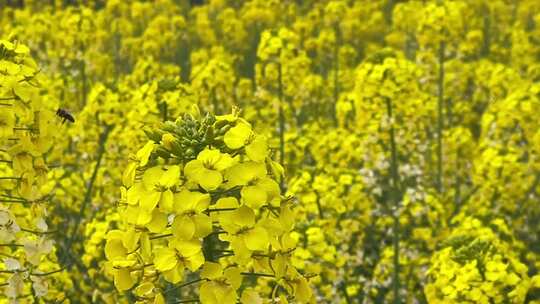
x=207 y=169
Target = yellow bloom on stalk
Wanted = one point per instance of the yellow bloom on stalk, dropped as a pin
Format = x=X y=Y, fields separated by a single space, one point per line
x=244 y=233
x=237 y=136
x=141 y=159
x=207 y=169
x=154 y=189
x=7 y=122
x=258 y=189
x=173 y=260
x=241 y=136
x=190 y=222
x=221 y=284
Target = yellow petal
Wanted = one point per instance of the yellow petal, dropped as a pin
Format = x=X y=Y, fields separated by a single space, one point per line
x=237 y=136
x=174 y=275
x=203 y=225
x=166 y=203
x=187 y=248
x=286 y=217
x=123 y=280
x=165 y=259
x=251 y=296
x=257 y=239
x=243 y=173
x=149 y=200
x=257 y=150
x=195 y=261
x=114 y=248
x=134 y=193
x=243 y=216
x=234 y=278
x=211 y=181
x=129 y=174
x=207 y=293
x=144 y=153
x=253 y=196
x=183 y=227
x=170 y=177
x=152 y=176
x=130 y=239
x=137 y=216
x=189 y=201
x=194 y=170
x=158 y=222
x=211 y=270
x=159 y=299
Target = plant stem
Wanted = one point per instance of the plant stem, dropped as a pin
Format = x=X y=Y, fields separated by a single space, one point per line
x=22 y=129
x=343 y=288
x=90 y=185
x=183 y=285
x=13 y=201
x=47 y=273
x=84 y=81
x=39 y=232
x=319 y=207
x=440 y=118
x=155 y=237
x=395 y=197
x=256 y=274
x=219 y=209
x=281 y=127
x=336 y=72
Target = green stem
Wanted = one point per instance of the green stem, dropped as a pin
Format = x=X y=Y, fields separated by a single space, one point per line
x=47 y=273
x=395 y=197
x=84 y=81
x=440 y=118
x=281 y=127
x=22 y=129
x=319 y=206
x=155 y=237
x=39 y=232
x=90 y=186
x=343 y=289
x=184 y=285
x=336 y=72
x=224 y=255
x=13 y=201
x=219 y=209
x=256 y=274
x=388 y=9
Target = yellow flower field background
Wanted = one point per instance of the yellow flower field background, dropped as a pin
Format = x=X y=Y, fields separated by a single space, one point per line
x=263 y=151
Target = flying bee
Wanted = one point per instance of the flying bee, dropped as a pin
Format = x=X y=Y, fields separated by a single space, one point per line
x=65 y=115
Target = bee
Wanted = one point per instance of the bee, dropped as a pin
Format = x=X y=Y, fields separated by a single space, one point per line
x=65 y=115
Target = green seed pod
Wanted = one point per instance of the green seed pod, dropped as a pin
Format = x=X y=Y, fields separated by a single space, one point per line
x=154 y=135
x=224 y=129
x=162 y=152
x=169 y=126
x=220 y=124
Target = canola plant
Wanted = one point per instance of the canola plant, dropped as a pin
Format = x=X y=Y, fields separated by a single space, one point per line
x=265 y=151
